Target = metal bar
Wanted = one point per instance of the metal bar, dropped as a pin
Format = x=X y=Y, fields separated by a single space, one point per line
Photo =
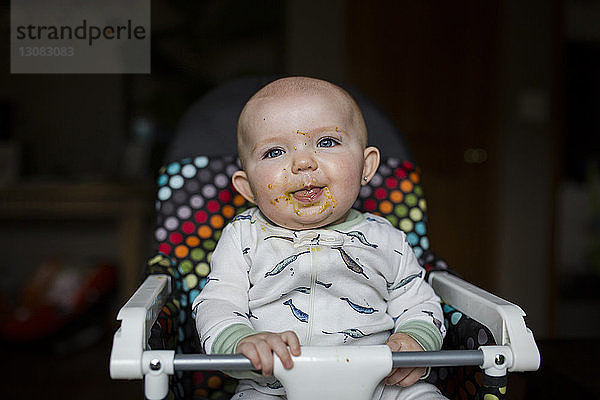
x=444 y=358
x=214 y=362
x=238 y=362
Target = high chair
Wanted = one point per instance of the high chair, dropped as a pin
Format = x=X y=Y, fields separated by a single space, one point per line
x=157 y=341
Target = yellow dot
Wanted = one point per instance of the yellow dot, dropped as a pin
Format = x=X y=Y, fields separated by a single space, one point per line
x=415 y=214
x=502 y=390
x=202 y=269
x=490 y=397
x=406 y=225
x=191 y=280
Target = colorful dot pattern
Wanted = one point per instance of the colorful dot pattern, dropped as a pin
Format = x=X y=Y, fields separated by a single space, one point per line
x=395 y=192
x=463 y=333
x=195 y=202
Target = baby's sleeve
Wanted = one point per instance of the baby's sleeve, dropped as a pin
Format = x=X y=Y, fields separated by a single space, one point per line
x=222 y=305
x=413 y=304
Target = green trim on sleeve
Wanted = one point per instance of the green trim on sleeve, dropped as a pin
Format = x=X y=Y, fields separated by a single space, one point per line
x=228 y=339
x=426 y=334
x=226 y=343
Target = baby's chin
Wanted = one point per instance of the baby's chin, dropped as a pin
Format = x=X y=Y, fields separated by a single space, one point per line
x=306 y=219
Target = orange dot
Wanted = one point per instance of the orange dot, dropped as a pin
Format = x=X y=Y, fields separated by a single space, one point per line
x=386 y=207
x=406 y=186
x=228 y=211
x=396 y=196
x=214 y=382
x=204 y=232
x=192 y=241
x=181 y=251
x=414 y=177
x=238 y=200
x=216 y=221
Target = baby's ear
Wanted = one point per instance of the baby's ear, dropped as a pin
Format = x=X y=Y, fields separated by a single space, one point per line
x=242 y=185
x=371 y=155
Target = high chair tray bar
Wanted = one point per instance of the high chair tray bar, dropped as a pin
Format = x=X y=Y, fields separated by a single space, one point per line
x=444 y=358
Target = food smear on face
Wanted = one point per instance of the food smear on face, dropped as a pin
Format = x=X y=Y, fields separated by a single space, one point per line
x=305 y=198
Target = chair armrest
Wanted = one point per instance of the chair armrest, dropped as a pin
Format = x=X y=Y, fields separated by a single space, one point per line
x=137 y=317
x=503 y=318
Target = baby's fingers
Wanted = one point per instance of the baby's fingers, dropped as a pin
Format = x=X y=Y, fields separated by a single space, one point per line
x=292 y=341
x=280 y=348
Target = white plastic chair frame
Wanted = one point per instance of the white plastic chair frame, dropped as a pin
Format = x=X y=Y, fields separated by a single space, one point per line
x=338 y=372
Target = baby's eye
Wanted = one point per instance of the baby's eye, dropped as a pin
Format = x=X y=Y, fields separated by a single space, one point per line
x=273 y=153
x=327 y=142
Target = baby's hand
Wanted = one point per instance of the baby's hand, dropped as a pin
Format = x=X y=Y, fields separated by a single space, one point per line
x=259 y=348
x=404 y=376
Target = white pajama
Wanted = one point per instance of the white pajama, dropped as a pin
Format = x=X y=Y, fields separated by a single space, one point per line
x=349 y=284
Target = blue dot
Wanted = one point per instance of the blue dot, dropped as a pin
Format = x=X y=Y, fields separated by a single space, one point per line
x=420 y=228
x=201 y=161
x=413 y=239
x=164 y=193
x=448 y=308
x=173 y=168
x=455 y=317
x=418 y=251
x=162 y=180
x=425 y=242
x=188 y=171
x=193 y=294
x=176 y=182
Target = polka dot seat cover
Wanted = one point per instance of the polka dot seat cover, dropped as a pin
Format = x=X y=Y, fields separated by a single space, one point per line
x=195 y=202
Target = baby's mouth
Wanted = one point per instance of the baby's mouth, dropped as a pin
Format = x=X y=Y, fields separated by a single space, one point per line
x=308 y=194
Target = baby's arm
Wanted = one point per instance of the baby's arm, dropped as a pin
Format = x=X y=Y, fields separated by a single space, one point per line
x=259 y=348
x=417 y=313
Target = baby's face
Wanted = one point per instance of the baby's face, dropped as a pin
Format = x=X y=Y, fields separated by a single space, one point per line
x=304 y=160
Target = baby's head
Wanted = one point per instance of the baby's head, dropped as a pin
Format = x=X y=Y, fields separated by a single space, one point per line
x=302 y=144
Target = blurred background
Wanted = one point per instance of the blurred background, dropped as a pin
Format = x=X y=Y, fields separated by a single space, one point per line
x=499 y=101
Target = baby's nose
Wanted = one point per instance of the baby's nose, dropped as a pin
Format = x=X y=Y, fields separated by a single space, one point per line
x=304 y=161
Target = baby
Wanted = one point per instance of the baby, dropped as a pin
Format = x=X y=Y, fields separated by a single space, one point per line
x=303 y=267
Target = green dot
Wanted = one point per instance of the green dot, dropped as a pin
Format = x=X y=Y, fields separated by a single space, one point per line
x=197 y=254
x=209 y=256
x=401 y=210
x=418 y=190
x=411 y=200
x=490 y=397
x=186 y=266
x=422 y=204
x=209 y=244
x=392 y=218
x=217 y=235
x=415 y=214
